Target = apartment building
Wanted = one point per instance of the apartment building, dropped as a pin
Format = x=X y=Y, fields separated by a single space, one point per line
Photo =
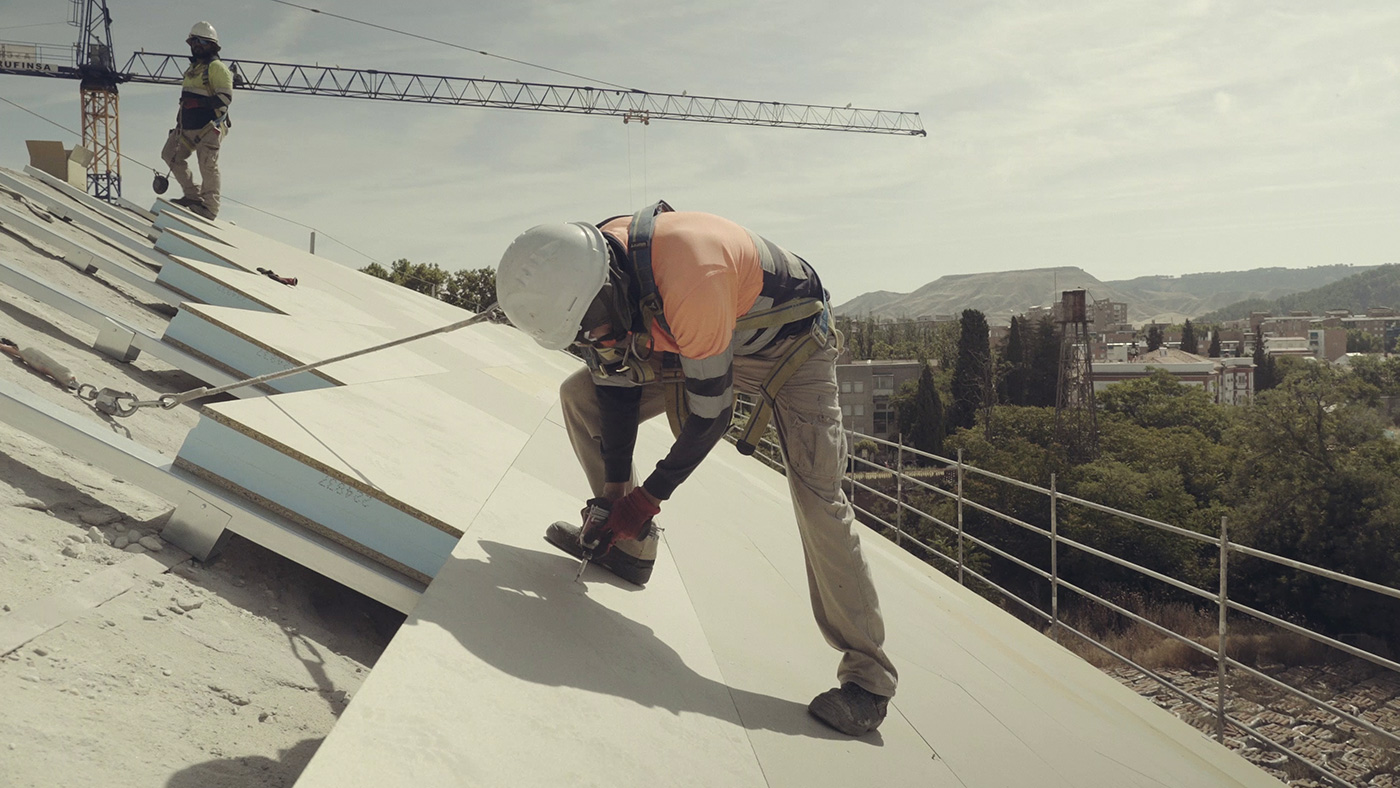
x=866 y=388
x=1228 y=380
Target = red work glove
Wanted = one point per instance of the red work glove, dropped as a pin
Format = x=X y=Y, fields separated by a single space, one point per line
x=628 y=520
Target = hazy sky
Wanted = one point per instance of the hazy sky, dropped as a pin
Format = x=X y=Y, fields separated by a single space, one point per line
x=1126 y=137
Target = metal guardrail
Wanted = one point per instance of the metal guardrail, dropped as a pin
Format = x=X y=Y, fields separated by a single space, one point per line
x=1219 y=597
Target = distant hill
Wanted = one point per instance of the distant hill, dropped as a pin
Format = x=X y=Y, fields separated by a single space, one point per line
x=997 y=295
x=1377 y=286
x=1168 y=298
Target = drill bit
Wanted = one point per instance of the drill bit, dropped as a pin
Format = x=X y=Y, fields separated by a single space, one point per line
x=595 y=513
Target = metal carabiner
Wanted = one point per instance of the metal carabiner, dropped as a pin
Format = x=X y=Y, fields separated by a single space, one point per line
x=109 y=401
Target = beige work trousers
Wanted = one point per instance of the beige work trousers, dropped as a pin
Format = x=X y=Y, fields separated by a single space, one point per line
x=204 y=143
x=808 y=420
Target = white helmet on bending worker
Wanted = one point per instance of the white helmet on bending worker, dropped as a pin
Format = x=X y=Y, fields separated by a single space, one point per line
x=548 y=279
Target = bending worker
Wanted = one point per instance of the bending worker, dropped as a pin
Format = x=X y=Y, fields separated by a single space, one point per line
x=201 y=123
x=675 y=311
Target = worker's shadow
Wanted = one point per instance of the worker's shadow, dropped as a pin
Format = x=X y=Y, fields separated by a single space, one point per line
x=522 y=613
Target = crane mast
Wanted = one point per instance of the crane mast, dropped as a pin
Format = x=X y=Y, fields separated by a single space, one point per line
x=96 y=68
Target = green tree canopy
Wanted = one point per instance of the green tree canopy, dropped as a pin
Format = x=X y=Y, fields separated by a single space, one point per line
x=1160 y=401
x=1359 y=341
x=1317 y=483
x=424 y=278
x=471 y=290
x=1382 y=372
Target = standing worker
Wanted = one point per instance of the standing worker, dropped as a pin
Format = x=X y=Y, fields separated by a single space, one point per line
x=201 y=123
x=674 y=311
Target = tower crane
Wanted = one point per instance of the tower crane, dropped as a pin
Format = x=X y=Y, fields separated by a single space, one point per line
x=92 y=63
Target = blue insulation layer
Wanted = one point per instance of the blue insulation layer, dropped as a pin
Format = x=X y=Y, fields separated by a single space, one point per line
x=321 y=498
x=237 y=353
x=195 y=284
x=169 y=221
x=174 y=245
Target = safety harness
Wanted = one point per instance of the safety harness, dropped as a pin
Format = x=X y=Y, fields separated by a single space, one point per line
x=639 y=239
x=208 y=101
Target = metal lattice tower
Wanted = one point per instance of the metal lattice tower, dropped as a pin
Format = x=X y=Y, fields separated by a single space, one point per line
x=1076 y=417
x=97 y=69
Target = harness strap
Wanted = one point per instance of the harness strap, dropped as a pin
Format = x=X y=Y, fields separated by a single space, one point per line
x=778 y=376
x=639 y=239
x=639 y=249
x=780 y=315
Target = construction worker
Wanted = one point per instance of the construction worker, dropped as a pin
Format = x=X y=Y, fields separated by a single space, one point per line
x=675 y=311
x=201 y=122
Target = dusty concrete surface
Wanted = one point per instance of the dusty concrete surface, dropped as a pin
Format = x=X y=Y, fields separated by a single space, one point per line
x=226 y=674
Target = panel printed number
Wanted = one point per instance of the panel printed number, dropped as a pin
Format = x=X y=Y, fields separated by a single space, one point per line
x=345 y=491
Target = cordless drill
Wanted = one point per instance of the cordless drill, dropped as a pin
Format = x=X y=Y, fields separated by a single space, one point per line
x=595 y=514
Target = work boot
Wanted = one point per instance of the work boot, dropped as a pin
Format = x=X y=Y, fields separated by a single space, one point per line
x=630 y=559
x=851 y=709
x=200 y=209
x=185 y=202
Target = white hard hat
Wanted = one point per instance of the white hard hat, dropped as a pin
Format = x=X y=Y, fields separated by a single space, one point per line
x=549 y=276
x=204 y=30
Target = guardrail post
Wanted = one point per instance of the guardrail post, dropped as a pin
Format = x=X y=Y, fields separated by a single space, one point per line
x=1222 y=647
x=960 y=518
x=1054 y=556
x=899 y=492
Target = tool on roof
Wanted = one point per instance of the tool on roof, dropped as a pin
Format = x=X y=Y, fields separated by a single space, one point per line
x=171 y=401
x=271 y=274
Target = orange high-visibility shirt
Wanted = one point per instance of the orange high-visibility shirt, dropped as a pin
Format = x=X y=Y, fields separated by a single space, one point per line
x=708 y=274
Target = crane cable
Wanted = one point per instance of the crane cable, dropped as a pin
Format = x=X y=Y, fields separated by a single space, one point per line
x=450 y=44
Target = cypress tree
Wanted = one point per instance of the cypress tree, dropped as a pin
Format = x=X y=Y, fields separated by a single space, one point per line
x=922 y=420
x=1154 y=338
x=1263 y=366
x=1043 y=366
x=1012 y=390
x=969 y=373
x=1189 y=342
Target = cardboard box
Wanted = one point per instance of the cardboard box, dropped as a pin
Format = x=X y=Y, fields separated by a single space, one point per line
x=66 y=164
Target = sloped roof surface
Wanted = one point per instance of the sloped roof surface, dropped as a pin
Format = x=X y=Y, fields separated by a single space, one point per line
x=510 y=673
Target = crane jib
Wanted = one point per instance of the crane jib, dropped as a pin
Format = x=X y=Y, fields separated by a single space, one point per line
x=161 y=68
